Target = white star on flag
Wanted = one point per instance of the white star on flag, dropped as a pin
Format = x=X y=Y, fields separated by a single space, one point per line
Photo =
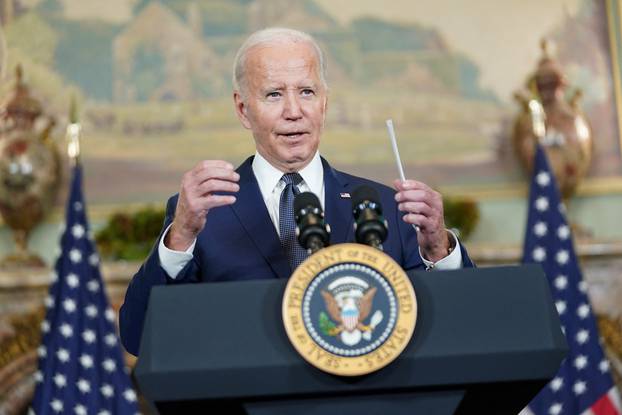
x=563 y=232
x=63 y=355
x=45 y=326
x=83 y=385
x=80 y=410
x=89 y=336
x=561 y=307
x=60 y=380
x=77 y=231
x=580 y=362
x=561 y=282
x=542 y=203
x=539 y=254
x=583 y=311
x=57 y=406
x=49 y=302
x=107 y=390
x=579 y=388
x=582 y=336
x=94 y=260
x=72 y=280
x=603 y=366
x=130 y=395
x=91 y=310
x=109 y=365
x=562 y=257
x=110 y=339
x=86 y=361
x=42 y=351
x=556 y=409
x=93 y=286
x=110 y=315
x=69 y=305
x=540 y=229
x=543 y=178
x=75 y=256
x=66 y=330
x=556 y=383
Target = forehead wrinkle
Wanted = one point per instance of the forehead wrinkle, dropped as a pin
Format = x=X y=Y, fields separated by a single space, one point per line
x=264 y=70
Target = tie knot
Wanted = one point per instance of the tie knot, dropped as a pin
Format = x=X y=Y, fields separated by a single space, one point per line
x=292 y=178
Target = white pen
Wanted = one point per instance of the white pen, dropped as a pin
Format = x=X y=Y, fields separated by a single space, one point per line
x=396 y=152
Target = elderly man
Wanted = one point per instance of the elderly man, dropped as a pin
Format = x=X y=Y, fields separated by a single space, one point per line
x=228 y=224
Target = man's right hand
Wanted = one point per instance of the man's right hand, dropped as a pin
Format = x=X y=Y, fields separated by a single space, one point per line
x=196 y=198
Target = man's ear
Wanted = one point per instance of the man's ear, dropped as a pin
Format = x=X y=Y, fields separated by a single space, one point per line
x=241 y=109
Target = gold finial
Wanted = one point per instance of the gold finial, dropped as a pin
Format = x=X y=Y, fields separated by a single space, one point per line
x=73 y=132
x=545 y=45
x=19 y=74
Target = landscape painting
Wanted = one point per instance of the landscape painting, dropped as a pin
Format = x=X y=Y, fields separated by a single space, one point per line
x=153 y=83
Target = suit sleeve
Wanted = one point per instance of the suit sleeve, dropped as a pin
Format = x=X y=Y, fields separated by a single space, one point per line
x=150 y=274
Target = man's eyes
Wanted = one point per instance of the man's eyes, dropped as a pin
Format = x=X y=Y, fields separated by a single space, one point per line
x=306 y=92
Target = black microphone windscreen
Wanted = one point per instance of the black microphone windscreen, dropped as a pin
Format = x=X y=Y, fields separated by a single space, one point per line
x=305 y=199
x=363 y=193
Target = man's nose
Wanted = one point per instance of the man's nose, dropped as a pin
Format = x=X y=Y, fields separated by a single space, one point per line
x=292 y=109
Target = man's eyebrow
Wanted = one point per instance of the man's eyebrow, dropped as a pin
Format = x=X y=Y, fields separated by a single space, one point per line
x=274 y=87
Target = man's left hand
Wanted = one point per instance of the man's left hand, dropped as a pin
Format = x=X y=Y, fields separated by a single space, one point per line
x=424 y=208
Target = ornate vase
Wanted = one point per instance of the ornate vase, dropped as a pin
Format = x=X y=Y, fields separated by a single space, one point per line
x=567 y=136
x=30 y=170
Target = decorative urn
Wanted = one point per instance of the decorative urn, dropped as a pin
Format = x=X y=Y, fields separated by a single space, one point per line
x=30 y=169
x=564 y=132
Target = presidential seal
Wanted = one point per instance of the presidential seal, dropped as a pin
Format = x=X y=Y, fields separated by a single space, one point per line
x=349 y=309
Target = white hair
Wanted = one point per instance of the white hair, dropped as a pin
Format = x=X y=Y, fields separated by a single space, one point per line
x=271 y=36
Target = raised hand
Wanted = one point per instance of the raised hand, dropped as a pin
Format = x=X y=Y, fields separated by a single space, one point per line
x=197 y=195
x=424 y=208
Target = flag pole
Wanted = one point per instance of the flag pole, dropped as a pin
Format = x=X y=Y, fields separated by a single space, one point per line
x=73 y=133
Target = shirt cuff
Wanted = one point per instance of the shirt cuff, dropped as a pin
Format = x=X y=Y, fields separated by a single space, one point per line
x=173 y=261
x=451 y=261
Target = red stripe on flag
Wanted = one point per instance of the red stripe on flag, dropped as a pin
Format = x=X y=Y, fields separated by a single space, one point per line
x=604 y=406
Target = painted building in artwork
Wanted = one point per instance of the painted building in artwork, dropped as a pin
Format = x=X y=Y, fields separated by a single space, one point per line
x=160 y=57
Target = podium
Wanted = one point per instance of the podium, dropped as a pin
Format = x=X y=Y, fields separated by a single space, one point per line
x=486 y=341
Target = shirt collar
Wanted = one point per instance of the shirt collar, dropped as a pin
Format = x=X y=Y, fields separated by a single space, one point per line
x=268 y=176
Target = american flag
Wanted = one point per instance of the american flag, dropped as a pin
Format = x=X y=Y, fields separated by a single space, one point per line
x=81 y=368
x=583 y=384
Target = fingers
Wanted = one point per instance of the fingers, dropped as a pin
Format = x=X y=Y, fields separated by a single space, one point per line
x=205 y=173
x=423 y=205
x=215 y=186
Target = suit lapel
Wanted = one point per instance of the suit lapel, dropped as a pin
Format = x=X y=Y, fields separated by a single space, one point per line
x=338 y=209
x=253 y=215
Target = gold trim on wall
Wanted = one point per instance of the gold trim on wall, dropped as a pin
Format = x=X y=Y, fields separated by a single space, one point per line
x=614 y=42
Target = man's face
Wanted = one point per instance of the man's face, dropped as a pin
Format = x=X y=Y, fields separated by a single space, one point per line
x=284 y=103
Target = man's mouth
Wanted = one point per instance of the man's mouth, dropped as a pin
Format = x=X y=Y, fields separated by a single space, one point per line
x=292 y=134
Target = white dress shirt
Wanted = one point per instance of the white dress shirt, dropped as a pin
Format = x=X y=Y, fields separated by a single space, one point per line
x=270 y=185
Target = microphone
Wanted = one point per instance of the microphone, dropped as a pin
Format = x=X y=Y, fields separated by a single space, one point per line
x=370 y=227
x=313 y=233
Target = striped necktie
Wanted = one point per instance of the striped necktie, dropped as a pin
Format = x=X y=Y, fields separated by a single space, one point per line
x=287 y=223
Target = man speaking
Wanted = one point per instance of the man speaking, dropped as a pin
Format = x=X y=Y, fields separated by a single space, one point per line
x=231 y=224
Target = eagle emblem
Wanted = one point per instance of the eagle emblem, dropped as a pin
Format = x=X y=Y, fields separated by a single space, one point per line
x=349 y=302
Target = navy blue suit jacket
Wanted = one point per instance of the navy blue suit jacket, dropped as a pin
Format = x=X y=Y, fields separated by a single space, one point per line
x=239 y=242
